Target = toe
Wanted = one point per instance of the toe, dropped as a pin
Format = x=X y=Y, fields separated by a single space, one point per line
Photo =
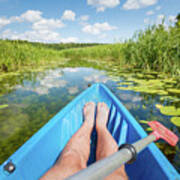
x=89 y=106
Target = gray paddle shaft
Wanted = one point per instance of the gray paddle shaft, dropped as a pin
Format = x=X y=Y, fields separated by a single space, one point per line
x=106 y=166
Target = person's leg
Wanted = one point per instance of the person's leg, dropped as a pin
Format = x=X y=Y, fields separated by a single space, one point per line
x=106 y=145
x=76 y=153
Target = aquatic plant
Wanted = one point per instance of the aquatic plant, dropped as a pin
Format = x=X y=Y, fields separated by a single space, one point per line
x=176 y=121
x=169 y=110
x=174 y=90
x=4 y=106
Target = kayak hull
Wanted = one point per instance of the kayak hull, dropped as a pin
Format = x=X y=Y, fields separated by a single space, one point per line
x=41 y=151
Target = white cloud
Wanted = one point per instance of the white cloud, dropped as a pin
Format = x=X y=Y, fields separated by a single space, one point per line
x=46 y=36
x=158 y=8
x=147 y=21
x=137 y=4
x=97 y=28
x=42 y=30
x=84 y=18
x=96 y=78
x=4 y=22
x=47 y=24
x=172 y=19
x=34 y=17
x=71 y=70
x=102 y=36
x=160 y=18
x=49 y=81
x=5 y=34
x=101 y=5
x=73 y=90
x=149 y=13
x=32 y=35
x=69 y=15
x=31 y=16
x=69 y=40
x=42 y=36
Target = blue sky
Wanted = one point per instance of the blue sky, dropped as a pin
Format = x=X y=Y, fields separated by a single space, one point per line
x=104 y=21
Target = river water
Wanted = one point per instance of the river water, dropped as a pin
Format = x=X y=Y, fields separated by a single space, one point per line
x=30 y=99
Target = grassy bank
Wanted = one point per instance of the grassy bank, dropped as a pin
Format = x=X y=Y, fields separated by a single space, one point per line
x=16 y=55
x=157 y=48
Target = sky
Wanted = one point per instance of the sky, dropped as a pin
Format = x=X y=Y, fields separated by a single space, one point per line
x=101 y=21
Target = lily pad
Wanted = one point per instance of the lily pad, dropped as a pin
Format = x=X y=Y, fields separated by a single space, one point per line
x=171 y=98
x=174 y=91
x=3 y=106
x=145 y=89
x=176 y=121
x=172 y=81
x=148 y=129
x=125 y=83
x=159 y=106
x=149 y=76
x=170 y=110
x=114 y=78
x=143 y=121
x=139 y=75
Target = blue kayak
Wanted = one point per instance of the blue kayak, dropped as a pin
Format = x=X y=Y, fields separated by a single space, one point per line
x=40 y=152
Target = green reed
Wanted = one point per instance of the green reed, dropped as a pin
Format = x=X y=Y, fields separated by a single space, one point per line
x=15 y=55
x=157 y=48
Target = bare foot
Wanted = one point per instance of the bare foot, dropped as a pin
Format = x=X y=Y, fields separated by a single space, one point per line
x=102 y=115
x=89 y=110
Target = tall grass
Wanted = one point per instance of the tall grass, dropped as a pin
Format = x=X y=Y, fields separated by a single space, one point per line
x=16 y=55
x=157 y=48
x=100 y=53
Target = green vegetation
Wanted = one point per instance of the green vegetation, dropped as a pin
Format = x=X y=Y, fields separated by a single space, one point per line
x=17 y=55
x=169 y=110
x=3 y=106
x=178 y=20
x=155 y=49
x=151 y=84
x=176 y=121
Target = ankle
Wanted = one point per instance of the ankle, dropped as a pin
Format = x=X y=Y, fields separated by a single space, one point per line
x=87 y=127
x=101 y=128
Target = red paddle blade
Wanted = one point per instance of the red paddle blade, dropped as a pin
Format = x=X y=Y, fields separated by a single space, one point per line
x=162 y=132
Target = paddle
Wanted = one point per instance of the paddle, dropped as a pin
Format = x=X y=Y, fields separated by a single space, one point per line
x=127 y=152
